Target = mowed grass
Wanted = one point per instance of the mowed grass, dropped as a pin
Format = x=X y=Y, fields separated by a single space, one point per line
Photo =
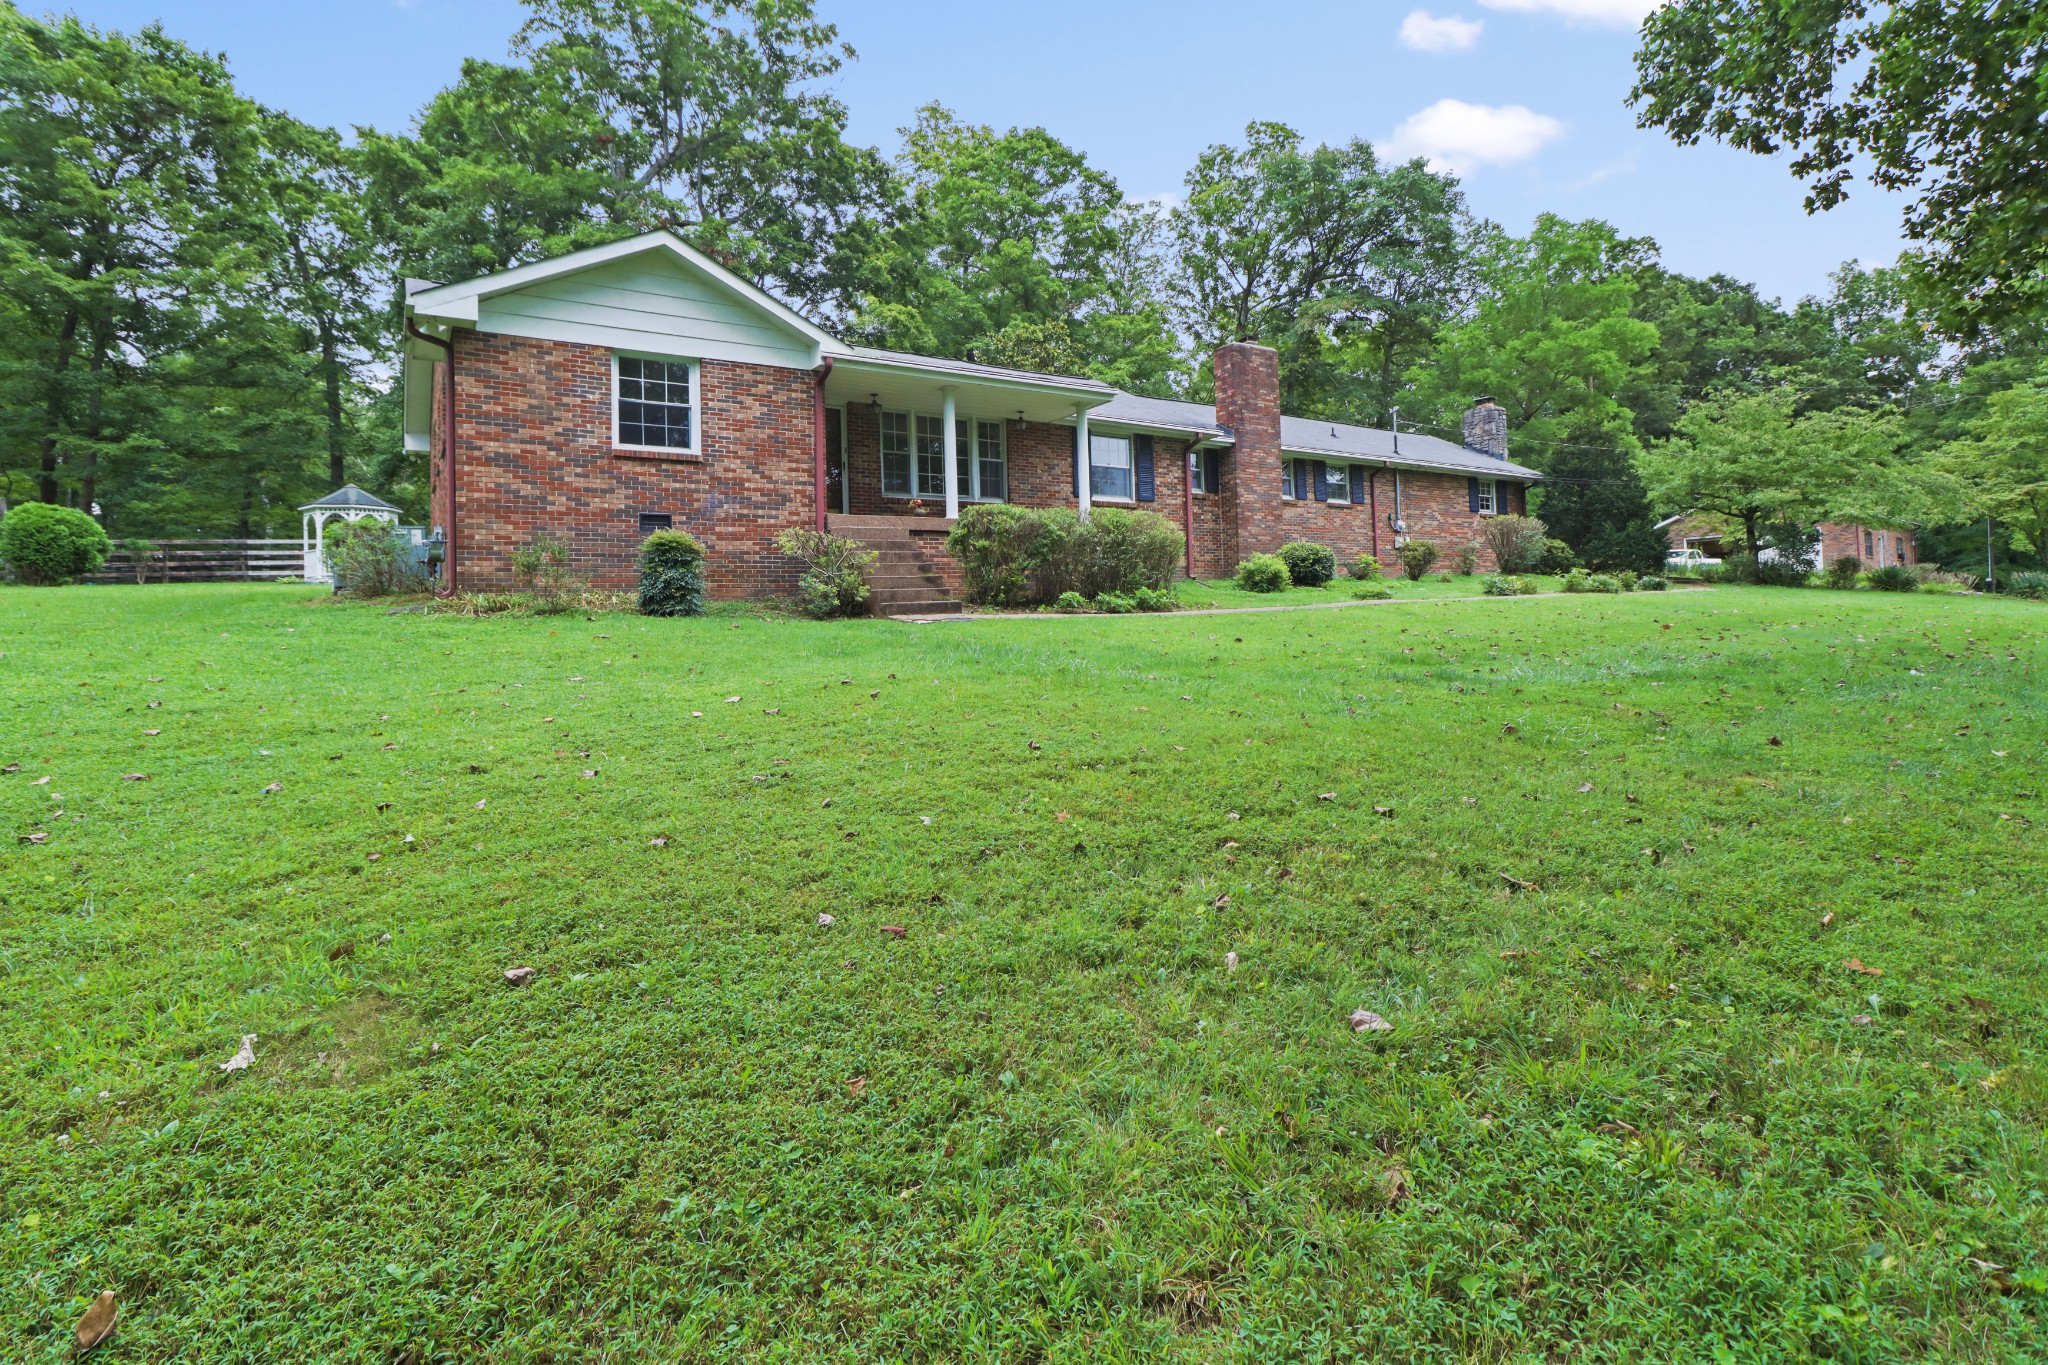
x=1633 y=1105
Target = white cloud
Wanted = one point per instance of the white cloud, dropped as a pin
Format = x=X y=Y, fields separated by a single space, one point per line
x=1456 y=136
x=1630 y=13
x=1425 y=32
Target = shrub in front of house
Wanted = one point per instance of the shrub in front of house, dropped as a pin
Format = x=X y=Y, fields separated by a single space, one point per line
x=1070 y=601
x=1625 y=579
x=542 y=568
x=671 y=575
x=1650 y=582
x=1465 y=561
x=1505 y=585
x=1264 y=573
x=1365 y=568
x=1518 y=542
x=1309 y=565
x=1780 y=572
x=1843 y=571
x=50 y=545
x=1115 y=603
x=1416 y=558
x=834 y=581
x=1011 y=556
x=367 y=559
x=1372 y=591
x=1557 y=558
x=1894 y=578
x=1128 y=549
x=1000 y=547
x=1154 y=599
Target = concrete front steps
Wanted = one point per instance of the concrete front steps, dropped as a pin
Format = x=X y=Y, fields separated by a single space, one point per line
x=909 y=577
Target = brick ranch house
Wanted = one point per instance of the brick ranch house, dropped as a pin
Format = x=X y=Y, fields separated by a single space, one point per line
x=1876 y=546
x=618 y=390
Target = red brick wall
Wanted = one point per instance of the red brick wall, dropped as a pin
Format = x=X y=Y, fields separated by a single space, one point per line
x=1437 y=507
x=534 y=453
x=1248 y=403
x=1838 y=540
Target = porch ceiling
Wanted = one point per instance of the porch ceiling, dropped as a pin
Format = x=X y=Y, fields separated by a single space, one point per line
x=974 y=396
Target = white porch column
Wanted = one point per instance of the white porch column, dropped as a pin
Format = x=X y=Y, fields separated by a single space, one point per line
x=952 y=449
x=1081 y=456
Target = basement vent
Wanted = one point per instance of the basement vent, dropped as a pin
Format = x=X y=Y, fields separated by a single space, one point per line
x=650 y=522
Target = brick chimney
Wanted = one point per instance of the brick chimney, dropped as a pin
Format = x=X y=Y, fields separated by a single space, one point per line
x=1486 y=428
x=1248 y=402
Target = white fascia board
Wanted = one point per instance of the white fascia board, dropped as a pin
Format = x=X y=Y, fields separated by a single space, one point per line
x=1092 y=395
x=463 y=297
x=1513 y=474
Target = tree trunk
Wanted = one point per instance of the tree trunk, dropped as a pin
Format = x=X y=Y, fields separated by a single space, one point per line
x=53 y=410
x=89 y=481
x=330 y=365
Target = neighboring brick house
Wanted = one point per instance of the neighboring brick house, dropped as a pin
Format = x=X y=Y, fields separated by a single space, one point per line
x=1876 y=546
x=606 y=393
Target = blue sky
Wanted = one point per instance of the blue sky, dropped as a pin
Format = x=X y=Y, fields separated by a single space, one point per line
x=1523 y=97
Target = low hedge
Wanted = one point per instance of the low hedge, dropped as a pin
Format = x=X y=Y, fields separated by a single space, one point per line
x=1022 y=556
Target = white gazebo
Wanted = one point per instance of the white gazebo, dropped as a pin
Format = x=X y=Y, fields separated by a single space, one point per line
x=346 y=503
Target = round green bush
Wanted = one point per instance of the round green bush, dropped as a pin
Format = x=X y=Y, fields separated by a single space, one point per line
x=1894 y=578
x=1365 y=568
x=1264 y=573
x=49 y=544
x=1652 y=583
x=1309 y=565
x=1416 y=557
x=1372 y=590
x=671 y=575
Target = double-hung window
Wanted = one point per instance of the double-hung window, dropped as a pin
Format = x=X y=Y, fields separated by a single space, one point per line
x=1109 y=467
x=1488 y=501
x=896 y=455
x=1207 y=471
x=978 y=451
x=1287 y=488
x=931 y=456
x=654 y=404
x=1337 y=483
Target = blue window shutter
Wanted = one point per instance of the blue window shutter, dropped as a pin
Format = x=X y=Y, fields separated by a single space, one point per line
x=1301 y=479
x=1358 y=485
x=1472 y=493
x=1321 y=474
x=1212 y=473
x=1141 y=467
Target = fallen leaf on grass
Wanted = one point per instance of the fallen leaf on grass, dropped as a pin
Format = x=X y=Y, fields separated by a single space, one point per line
x=1775 y=742
x=36 y=837
x=1827 y=919
x=1509 y=729
x=587 y=773
x=11 y=768
x=245 y=1056
x=1062 y=816
x=342 y=950
x=42 y=781
x=1387 y=811
x=1855 y=964
x=1365 y=1021
x=152 y=732
x=658 y=841
x=1032 y=745
x=518 y=976
x=136 y=777
x=1230 y=962
x=1978 y=1004
x=1327 y=796
x=1511 y=954
x=1859 y=1019
x=857 y=1086
x=273 y=789
x=98 y=1323
x=1220 y=903
x=894 y=930
x=730 y=700
x=375 y=857
x=1585 y=787
x=1516 y=883
x=825 y=921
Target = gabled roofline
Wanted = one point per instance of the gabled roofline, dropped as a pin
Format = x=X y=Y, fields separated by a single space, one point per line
x=1513 y=472
x=458 y=302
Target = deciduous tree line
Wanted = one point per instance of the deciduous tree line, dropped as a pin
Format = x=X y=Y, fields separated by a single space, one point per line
x=199 y=297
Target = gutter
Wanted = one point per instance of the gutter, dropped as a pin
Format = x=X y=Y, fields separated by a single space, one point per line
x=447 y=440
x=1372 y=492
x=823 y=372
x=1187 y=500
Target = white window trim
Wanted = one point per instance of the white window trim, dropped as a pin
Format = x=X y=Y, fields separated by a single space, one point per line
x=696 y=447
x=972 y=493
x=1343 y=481
x=1130 y=467
x=1489 y=498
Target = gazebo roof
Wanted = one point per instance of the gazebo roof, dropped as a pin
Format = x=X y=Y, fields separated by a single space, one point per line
x=346 y=496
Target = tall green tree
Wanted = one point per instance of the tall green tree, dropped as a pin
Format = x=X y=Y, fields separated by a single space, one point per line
x=1594 y=500
x=127 y=187
x=1940 y=98
x=1344 y=266
x=2003 y=462
x=1551 y=337
x=1008 y=247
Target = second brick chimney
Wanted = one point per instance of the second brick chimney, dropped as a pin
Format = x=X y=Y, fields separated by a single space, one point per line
x=1486 y=428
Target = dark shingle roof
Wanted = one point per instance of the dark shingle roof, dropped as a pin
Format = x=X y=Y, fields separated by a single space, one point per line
x=1308 y=436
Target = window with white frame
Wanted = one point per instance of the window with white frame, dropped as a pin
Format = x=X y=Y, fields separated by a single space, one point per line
x=914 y=457
x=1287 y=489
x=654 y=404
x=1109 y=466
x=978 y=451
x=896 y=455
x=1488 y=503
x=1207 y=471
x=1337 y=483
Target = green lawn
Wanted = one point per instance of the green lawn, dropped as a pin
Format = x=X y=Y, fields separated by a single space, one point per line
x=1222 y=592
x=1633 y=1105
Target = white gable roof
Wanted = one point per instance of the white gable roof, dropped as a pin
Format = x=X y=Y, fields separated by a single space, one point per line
x=653 y=293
